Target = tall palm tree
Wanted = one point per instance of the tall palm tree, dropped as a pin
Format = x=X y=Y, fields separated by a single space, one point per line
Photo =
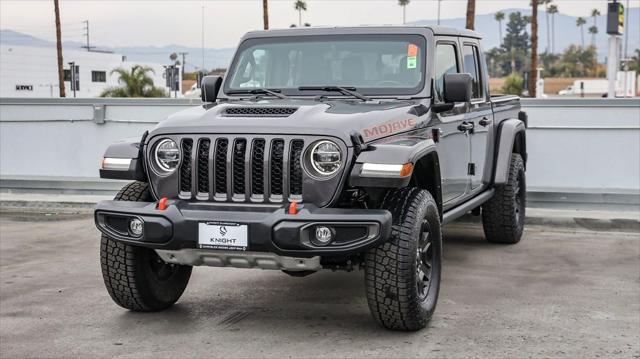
x=404 y=4
x=471 y=14
x=135 y=83
x=593 y=30
x=580 y=21
x=499 y=16
x=300 y=6
x=533 y=70
x=594 y=14
x=265 y=14
x=56 y=9
x=553 y=10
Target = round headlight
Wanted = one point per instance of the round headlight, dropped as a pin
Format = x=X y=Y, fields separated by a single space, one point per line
x=326 y=158
x=167 y=155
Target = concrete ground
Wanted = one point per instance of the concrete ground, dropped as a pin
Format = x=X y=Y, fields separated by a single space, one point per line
x=561 y=292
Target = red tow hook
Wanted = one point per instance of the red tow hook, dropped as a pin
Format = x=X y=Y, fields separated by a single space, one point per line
x=293 y=208
x=162 y=203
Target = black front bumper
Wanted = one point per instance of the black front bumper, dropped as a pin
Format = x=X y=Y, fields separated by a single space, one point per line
x=269 y=229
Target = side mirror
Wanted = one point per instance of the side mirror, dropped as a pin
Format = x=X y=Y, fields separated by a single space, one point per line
x=210 y=87
x=457 y=88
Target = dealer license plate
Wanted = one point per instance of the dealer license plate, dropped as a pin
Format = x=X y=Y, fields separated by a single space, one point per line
x=227 y=236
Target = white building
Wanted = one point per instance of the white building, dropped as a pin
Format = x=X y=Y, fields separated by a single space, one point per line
x=33 y=71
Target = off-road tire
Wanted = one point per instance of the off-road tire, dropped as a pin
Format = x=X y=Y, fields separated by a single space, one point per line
x=394 y=298
x=133 y=275
x=503 y=215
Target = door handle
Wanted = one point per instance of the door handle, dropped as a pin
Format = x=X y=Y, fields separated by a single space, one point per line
x=485 y=122
x=465 y=126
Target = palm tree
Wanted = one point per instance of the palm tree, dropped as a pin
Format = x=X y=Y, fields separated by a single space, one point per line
x=553 y=10
x=593 y=30
x=499 y=16
x=533 y=70
x=300 y=6
x=580 y=21
x=56 y=9
x=471 y=14
x=265 y=14
x=594 y=14
x=136 y=83
x=404 y=4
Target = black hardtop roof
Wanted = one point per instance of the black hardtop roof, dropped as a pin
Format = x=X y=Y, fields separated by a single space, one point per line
x=382 y=29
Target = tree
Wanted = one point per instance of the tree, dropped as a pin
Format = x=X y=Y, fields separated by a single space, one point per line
x=471 y=14
x=594 y=14
x=577 y=62
x=634 y=64
x=499 y=16
x=593 y=30
x=516 y=42
x=56 y=9
x=533 y=67
x=265 y=14
x=300 y=6
x=553 y=10
x=404 y=4
x=513 y=85
x=136 y=83
x=580 y=21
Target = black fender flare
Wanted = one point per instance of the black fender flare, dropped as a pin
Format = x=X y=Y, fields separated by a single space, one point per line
x=507 y=133
x=129 y=149
x=398 y=152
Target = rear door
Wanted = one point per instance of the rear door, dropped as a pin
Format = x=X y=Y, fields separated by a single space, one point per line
x=453 y=148
x=479 y=113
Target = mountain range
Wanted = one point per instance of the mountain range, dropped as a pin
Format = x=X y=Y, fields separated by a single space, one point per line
x=565 y=29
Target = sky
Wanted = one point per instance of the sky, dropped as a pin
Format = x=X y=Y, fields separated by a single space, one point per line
x=163 y=22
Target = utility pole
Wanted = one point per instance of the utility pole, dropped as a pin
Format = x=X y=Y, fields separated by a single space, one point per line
x=86 y=28
x=183 y=57
x=59 y=49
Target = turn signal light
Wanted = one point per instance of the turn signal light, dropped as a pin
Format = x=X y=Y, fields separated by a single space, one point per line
x=406 y=170
x=293 y=208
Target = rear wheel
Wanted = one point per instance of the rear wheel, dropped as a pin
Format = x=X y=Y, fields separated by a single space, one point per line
x=136 y=277
x=503 y=215
x=402 y=276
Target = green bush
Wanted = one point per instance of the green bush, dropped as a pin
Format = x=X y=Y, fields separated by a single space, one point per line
x=513 y=85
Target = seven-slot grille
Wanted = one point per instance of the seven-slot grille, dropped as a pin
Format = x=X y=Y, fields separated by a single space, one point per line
x=242 y=168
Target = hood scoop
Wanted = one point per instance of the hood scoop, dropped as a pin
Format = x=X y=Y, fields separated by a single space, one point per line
x=258 y=111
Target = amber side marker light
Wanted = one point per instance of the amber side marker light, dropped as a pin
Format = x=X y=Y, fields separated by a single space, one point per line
x=386 y=170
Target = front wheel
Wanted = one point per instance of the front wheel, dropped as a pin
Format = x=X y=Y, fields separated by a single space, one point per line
x=402 y=276
x=136 y=277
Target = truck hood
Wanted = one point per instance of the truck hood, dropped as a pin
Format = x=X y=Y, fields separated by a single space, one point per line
x=338 y=118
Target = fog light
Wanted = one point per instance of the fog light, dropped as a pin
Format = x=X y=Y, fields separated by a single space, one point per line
x=324 y=235
x=135 y=227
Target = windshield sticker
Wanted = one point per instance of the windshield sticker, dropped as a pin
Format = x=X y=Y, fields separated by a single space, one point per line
x=412 y=62
x=412 y=50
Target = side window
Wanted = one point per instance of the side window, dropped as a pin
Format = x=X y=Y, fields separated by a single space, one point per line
x=446 y=63
x=472 y=66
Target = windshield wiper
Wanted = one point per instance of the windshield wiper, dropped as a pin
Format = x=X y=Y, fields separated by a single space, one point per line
x=258 y=91
x=344 y=90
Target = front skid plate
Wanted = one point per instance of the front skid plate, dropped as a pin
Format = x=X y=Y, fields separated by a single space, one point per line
x=238 y=259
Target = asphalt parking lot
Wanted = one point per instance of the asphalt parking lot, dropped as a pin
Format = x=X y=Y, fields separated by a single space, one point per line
x=559 y=293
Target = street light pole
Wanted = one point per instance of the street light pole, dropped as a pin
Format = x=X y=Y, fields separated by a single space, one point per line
x=439 y=1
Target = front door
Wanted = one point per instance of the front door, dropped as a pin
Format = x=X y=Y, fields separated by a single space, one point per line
x=454 y=145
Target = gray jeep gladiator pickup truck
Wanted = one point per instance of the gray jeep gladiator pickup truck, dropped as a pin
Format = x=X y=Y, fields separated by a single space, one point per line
x=322 y=148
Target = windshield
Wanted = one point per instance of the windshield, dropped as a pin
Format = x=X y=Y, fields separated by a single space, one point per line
x=372 y=64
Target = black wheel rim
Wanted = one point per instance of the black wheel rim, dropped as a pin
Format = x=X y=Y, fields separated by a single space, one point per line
x=161 y=269
x=519 y=197
x=424 y=261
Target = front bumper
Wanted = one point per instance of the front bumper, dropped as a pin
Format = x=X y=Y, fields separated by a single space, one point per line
x=269 y=228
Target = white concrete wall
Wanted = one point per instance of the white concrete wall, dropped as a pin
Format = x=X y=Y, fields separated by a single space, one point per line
x=574 y=146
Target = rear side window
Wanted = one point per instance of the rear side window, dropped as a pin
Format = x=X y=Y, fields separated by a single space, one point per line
x=446 y=63
x=472 y=66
